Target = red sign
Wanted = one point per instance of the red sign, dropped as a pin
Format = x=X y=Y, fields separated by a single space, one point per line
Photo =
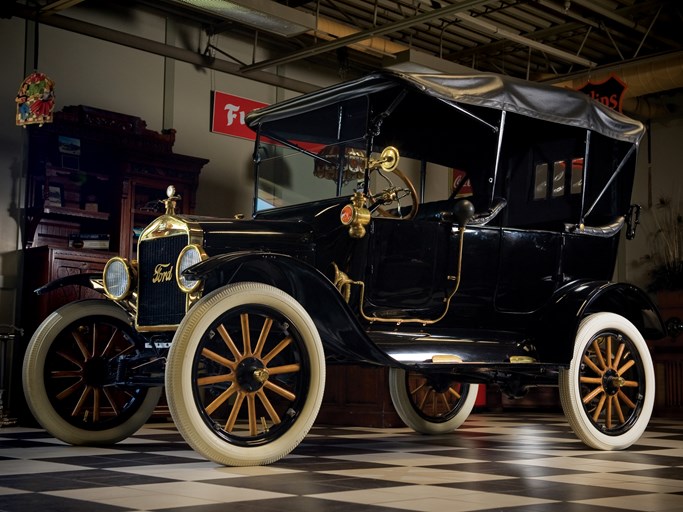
x=609 y=92
x=228 y=113
x=465 y=188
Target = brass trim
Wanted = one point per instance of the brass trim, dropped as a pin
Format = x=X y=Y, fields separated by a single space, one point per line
x=161 y=227
x=355 y=215
x=446 y=358
x=522 y=359
x=388 y=160
x=171 y=200
x=154 y=328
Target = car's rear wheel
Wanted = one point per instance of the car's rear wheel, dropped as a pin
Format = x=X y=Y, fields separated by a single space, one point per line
x=430 y=404
x=245 y=375
x=67 y=375
x=607 y=393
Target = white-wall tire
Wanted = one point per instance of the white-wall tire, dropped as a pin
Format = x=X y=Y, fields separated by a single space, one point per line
x=430 y=406
x=65 y=382
x=219 y=392
x=607 y=393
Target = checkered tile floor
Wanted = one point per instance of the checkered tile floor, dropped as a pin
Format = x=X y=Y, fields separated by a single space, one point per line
x=515 y=462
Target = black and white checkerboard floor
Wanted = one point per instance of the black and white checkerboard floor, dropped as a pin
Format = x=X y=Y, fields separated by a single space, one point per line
x=519 y=461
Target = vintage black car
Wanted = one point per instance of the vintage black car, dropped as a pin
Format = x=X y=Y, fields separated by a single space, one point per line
x=460 y=230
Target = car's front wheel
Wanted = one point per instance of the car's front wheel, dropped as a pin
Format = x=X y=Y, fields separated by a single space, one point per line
x=245 y=375
x=607 y=393
x=430 y=404
x=68 y=380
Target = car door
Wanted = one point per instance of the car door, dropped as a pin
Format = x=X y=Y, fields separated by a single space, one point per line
x=408 y=265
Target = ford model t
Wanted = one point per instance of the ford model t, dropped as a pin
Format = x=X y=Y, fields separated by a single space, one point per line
x=460 y=230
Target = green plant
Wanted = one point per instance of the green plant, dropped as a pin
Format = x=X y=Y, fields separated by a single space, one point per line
x=666 y=246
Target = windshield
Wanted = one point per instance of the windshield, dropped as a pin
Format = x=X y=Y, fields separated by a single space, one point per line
x=322 y=153
x=288 y=176
x=317 y=154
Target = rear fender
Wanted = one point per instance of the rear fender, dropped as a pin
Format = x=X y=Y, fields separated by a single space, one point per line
x=559 y=323
x=339 y=329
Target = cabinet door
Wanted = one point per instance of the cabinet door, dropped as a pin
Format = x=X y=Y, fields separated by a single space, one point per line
x=65 y=263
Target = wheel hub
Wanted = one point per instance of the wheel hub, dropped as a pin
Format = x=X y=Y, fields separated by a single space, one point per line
x=612 y=382
x=251 y=374
x=95 y=372
x=439 y=383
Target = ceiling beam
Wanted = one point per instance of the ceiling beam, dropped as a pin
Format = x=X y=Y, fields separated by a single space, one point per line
x=58 y=5
x=458 y=10
x=502 y=33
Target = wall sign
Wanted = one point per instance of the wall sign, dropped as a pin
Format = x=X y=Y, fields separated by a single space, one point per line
x=228 y=114
x=609 y=92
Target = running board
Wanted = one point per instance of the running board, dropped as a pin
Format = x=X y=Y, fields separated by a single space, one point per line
x=419 y=348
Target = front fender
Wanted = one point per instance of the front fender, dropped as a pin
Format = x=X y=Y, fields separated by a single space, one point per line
x=337 y=324
x=88 y=280
x=560 y=321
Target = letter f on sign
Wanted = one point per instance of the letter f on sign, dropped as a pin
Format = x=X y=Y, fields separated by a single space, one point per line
x=232 y=113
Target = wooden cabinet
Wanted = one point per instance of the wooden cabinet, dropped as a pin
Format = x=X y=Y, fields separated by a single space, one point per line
x=95 y=179
x=45 y=264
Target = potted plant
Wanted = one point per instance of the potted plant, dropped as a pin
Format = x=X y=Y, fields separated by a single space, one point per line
x=665 y=258
x=666 y=244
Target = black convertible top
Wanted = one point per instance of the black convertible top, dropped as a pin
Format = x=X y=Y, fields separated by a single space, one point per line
x=499 y=92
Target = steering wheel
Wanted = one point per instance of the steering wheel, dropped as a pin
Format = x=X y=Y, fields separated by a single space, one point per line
x=391 y=194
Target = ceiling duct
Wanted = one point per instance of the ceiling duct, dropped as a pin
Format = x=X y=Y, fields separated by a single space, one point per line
x=330 y=30
x=643 y=79
x=263 y=15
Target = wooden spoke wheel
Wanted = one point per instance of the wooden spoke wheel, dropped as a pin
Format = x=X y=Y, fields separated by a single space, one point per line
x=430 y=404
x=608 y=391
x=246 y=375
x=68 y=381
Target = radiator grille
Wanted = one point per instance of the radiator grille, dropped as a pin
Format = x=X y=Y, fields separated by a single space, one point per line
x=160 y=301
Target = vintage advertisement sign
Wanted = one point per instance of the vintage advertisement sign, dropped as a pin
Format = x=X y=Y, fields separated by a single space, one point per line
x=228 y=113
x=609 y=92
x=464 y=189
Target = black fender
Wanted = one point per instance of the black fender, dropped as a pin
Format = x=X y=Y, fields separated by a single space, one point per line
x=342 y=335
x=92 y=280
x=559 y=322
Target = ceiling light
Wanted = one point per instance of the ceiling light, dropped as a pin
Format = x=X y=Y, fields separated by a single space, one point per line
x=265 y=15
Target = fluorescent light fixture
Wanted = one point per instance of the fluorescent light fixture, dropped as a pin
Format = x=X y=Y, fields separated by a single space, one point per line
x=265 y=15
x=413 y=61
